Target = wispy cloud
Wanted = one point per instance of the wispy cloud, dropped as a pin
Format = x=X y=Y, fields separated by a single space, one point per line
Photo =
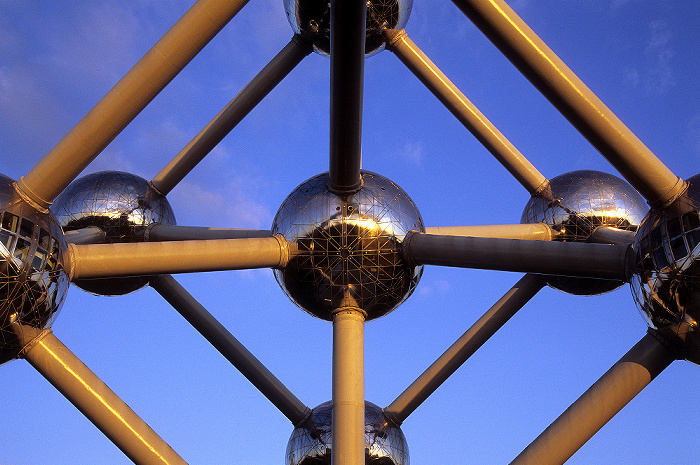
x=660 y=55
x=413 y=152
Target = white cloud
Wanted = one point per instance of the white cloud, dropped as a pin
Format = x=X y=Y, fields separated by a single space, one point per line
x=413 y=151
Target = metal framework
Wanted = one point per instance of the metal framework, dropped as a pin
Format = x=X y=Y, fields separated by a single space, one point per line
x=530 y=249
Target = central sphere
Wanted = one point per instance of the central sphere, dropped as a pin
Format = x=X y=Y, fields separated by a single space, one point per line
x=33 y=280
x=311 y=443
x=348 y=248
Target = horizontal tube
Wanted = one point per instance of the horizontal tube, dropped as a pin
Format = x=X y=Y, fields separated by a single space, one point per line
x=529 y=231
x=167 y=232
x=610 y=235
x=543 y=257
x=148 y=258
x=89 y=235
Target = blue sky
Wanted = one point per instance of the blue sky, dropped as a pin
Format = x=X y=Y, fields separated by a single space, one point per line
x=641 y=57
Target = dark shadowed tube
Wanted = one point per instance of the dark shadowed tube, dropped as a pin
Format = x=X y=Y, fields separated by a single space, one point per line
x=89 y=235
x=610 y=235
x=543 y=257
x=126 y=99
x=168 y=232
x=587 y=415
x=347 y=84
x=230 y=348
x=147 y=258
x=93 y=398
x=465 y=111
x=576 y=102
x=232 y=114
x=464 y=347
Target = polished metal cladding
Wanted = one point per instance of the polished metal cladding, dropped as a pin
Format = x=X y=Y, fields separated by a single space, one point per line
x=348 y=247
x=311 y=443
x=123 y=205
x=666 y=283
x=313 y=17
x=33 y=281
x=583 y=201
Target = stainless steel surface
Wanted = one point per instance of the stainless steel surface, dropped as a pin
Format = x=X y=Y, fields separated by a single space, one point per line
x=33 y=280
x=583 y=201
x=348 y=248
x=666 y=283
x=122 y=205
x=314 y=17
x=311 y=443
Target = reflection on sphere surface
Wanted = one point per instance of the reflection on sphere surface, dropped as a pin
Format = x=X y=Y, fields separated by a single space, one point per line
x=348 y=248
x=121 y=204
x=311 y=443
x=33 y=281
x=583 y=201
x=313 y=17
x=666 y=285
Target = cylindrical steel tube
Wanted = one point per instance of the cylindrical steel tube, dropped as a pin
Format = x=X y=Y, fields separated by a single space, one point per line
x=169 y=232
x=465 y=111
x=576 y=102
x=528 y=231
x=126 y=99
x=93 y=398
x=348 y=388
x=598 y=404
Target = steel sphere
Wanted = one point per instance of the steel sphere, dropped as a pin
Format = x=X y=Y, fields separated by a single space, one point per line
x=311 y=443
x=33 y=281
x=666 y=284
x=312 y=17
x=348 y=248
x=123 y=205
x=583 y=201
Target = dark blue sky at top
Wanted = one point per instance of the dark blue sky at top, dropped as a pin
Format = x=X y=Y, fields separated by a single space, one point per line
x=641 y=57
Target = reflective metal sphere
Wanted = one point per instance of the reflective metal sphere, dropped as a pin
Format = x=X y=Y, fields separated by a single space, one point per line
x=311 y=444
x=122 y=205
x=33 y=282
x=585 y=200
x=349 y=248
x=666 y=285
x=313 y=16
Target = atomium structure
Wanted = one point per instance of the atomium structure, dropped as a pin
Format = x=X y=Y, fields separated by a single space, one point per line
x=349 y=246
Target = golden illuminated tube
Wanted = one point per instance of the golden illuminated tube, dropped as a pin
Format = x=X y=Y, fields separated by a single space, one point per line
x=93 y=398
x=147 y=258
x=576 y=102
x=467 y=114
x=126 y=99
x=529 y=231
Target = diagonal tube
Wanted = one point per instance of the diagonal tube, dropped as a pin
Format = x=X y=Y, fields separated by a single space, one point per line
x=347 y=85
x=465 y=111
x=230 y=348
x=232 y=114
x=168 y=232
x=576 y=102
x=529 y=231
x=463 y=348
x=126 y=99
x=93 y=398
x=602 y=401
x=602 y=261
x=147 y=258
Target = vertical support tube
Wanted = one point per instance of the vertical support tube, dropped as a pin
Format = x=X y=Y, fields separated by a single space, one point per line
x=574 y=100
x=126 y=99
x=93 y=398
x=348 y=388
x=347 y=84
x=590 y=412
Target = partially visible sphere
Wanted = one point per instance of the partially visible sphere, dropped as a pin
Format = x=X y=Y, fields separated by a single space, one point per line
x=33 y=281
x=583 y=201
x=311 y=444
x=314 y=17
x=123 y=205
x=666 y=285
x=348 y=248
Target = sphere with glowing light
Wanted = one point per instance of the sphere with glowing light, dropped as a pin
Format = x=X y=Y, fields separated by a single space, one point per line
x=583 y=201
x=666 y=285
x=311 y=443
x=122 y=205
x=33 y=281
x=347 y=249
x=313 y=17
